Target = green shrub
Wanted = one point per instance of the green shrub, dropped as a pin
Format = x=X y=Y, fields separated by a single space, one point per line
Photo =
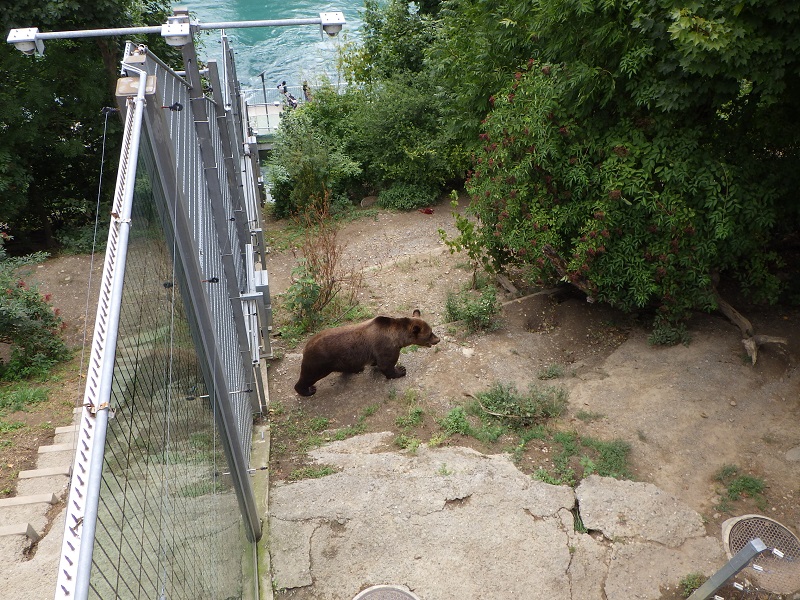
x=504 y=404
x=477 y=310
x=27 y=321
x=407 y=196
x=456 y=422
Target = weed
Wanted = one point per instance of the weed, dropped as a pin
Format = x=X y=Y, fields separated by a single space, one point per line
x=411 y=396
x=738 y=486
x=477 y=310
x=444 y=471
x=412 y=419
x=504 y=404
x=6 y=427
x=690 y=583
x=437 y=440
x=350 y=431
x=612 y=457
x=669 y=334
x=407 y=196
x=370 y=410
x=456 y=422
x=317 y=424
x=406 y=442
x=551 y=372
x=588 y=416
x=311 y=472
x=409 y=349
x=20 y=396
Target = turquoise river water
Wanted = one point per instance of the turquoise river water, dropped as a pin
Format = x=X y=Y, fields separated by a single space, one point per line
x=293 y=54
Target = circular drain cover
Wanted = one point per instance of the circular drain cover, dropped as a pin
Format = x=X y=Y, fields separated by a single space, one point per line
x=386 y=592
x=780 y=575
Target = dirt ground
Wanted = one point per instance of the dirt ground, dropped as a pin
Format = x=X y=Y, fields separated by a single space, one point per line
x=66 y=279
x=686 y=411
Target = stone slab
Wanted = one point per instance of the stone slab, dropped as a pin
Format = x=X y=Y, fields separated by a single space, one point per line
x=25 y=529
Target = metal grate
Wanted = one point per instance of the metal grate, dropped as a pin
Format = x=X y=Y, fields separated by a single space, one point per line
x=774 y=572
x=386 y=592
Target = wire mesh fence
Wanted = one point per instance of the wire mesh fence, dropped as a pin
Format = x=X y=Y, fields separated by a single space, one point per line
x=171 y=513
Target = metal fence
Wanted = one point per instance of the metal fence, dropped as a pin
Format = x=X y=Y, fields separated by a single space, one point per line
x=161 y=504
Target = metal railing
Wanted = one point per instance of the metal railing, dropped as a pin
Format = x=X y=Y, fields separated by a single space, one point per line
x=161 y=504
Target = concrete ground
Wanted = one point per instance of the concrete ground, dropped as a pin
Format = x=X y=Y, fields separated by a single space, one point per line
x=451 y=523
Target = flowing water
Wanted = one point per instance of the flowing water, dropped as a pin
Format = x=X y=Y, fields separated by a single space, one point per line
x=293 y=54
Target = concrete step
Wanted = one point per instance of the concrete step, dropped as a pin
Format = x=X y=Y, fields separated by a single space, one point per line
x=35 y=499
x=23 y=529
x=57 y=448
x=68 y=429
x=35 y=473
x=26 y=509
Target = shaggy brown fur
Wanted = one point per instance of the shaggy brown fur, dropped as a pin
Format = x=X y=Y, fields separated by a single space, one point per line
x=350 y=348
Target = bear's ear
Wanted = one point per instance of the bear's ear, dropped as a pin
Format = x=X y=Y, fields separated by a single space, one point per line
x=416 y=329
x=416 y=313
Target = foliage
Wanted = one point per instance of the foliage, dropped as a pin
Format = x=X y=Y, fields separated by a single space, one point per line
x=323 y=288
x=307 y=166
x=503 y=403
x=633 y=211
x=738 y=485
x=27 y=321
x=455 y=422
x=50 y=114
x=690 y=583
x=477 y=309
x=406 y=196
x=20 y=397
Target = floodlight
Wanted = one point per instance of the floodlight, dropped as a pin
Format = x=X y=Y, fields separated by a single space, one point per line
x=331 y=22
x=25 y=40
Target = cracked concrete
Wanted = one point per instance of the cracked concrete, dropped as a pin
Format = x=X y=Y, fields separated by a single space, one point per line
x=451 y=523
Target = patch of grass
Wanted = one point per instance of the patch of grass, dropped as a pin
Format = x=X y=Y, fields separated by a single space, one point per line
x=608 y=459
x=456 y=422
x=413 y=418
x=690 y=583
x=738 y=486
x=444 y=471
x=317 y=424
x=350 y=431
x=311 y=472
x=588 y=416
x=20 y=397
x=502 y=403
x=6 y=427
x=477 y=310
x=409 y=349
x=370 y=410
x=551 y=372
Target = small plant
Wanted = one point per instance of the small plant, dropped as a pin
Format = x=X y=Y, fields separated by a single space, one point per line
x=406 y=442
x=669 y=334
x=406 y=196
x=504 y=404
x=551 y=372
x=455 y=422
x=477 y=310
x=444 y=471
x=317 y=424
x=738 y=486
x=311 y=472
x=6 y=427
x=411 y=419
x=690 y=583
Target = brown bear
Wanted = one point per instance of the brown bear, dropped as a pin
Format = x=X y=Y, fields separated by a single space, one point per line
x=348 y=349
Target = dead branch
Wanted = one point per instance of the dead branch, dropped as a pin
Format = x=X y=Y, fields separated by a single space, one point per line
x=750 y=340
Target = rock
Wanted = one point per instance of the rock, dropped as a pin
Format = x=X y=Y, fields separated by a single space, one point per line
x=628 y=509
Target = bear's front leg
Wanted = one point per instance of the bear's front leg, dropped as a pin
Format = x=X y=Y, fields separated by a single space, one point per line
x=393 y=371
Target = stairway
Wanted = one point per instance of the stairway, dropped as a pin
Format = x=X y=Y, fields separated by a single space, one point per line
x=24 y=518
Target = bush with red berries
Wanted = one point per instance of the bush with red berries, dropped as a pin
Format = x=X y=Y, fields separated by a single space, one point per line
x=28 y=323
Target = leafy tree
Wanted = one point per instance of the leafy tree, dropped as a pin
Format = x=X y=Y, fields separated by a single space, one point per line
x=638 y=155
x=50 y=114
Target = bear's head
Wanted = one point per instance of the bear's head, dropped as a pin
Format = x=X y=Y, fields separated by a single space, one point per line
x=421 y=332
